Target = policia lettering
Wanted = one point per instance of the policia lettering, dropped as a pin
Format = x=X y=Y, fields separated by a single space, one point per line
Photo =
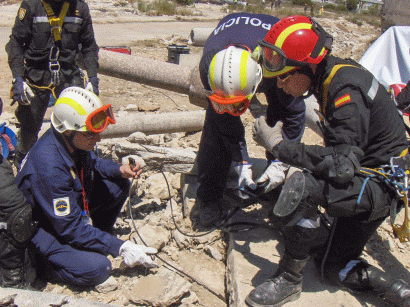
x=243 y=20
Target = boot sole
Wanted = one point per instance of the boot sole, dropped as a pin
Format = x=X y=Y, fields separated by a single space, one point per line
x=290 y=298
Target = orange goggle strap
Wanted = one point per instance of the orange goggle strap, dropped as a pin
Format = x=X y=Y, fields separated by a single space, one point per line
x=99 y=119
x=226 y=101
x=235 y=106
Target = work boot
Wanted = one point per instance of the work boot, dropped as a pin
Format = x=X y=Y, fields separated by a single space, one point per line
x=13 y=278
x=209 y=212
x=398 y=294
x=285 y=286
x=363 y=277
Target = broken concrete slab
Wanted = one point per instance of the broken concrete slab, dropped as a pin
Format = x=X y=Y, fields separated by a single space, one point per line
x=26 y=298
x=165 y=288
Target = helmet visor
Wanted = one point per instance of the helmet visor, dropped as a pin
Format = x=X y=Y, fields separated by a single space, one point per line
x=274 y=59
x=98 y=120
x=235 y=106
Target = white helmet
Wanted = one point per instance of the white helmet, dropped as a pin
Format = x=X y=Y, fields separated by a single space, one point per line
x=233 y=77
x=80 y=110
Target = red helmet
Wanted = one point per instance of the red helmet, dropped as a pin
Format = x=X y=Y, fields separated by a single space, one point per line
x=293 y=42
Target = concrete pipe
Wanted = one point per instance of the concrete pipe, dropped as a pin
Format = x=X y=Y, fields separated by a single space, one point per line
x=198 y=36
x=159 y=74
x=156 y=123
x=177 y=78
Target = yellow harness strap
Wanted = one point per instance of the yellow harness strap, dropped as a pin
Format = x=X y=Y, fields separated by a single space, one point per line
x=56 y=23
x=326 y=84
x=51 y=87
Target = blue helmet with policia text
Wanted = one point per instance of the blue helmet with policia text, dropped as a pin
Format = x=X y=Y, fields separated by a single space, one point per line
x=81 y=110
x=292 y=44
x=233 y=77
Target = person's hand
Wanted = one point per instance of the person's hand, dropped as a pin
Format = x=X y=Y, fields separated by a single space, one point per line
x=93 y=85
x=131 y=171
x=244 y=171
x=134 y=254
x=273 y=176
x=21 y=92
x=266 y=136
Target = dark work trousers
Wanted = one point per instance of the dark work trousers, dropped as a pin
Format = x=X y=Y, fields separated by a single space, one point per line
x=67 y=264
x=357 y=218
x=12 y=253
x=347 y=243
x=31 y=116
x=222 y=142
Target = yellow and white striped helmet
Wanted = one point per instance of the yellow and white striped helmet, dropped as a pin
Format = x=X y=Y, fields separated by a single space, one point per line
x=233 y=77
x=72 y=108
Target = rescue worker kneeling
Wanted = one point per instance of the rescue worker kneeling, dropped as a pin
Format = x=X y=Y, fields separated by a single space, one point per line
x=362 y=129
x=76 y=196
x=16 y=229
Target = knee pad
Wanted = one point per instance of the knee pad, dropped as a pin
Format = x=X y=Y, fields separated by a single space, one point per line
x=291 y=195
x=20 y=225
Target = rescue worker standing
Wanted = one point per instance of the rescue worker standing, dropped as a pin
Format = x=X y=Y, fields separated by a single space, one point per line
x=16 y=229
x=76 y=196
x=232 y=77
x=362 y=131
x=42 y=50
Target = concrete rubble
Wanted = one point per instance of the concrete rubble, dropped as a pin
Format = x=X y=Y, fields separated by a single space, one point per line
x=249 y=257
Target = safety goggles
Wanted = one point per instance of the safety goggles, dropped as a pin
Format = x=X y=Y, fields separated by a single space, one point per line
x=235 y=106
x=274 y=59
x=98 y=120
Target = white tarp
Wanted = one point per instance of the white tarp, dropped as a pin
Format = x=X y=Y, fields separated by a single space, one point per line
x=388 y=58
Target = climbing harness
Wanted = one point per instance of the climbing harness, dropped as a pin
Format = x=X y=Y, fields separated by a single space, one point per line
x=56 y=24
x=396 y=176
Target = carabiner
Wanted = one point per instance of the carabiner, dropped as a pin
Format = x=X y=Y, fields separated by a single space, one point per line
x=54 y=55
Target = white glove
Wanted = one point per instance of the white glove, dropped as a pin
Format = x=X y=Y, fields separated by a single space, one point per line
x=274 y=174
x=244 y=172
x=266 y=136
x=28 y=91
x=134 y=254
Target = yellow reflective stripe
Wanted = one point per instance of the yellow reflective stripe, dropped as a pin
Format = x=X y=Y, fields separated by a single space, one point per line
x=242 y=69
x=72 y=103
x=289 y=30
x=269 y=74
x=326 y=84
x=48 y=9
x=212 y=73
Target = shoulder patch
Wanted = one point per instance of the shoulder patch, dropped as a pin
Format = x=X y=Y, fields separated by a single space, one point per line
x=342 y=100
x=77 y=13
x=22 y=13
x=61 y=206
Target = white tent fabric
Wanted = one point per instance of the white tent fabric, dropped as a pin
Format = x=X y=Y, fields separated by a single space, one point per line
x=388 y=58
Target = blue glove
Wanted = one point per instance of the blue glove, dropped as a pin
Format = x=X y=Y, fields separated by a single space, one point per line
x=18 y=90
x=93 y=85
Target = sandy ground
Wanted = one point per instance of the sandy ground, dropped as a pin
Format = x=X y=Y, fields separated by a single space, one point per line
x=149 y=36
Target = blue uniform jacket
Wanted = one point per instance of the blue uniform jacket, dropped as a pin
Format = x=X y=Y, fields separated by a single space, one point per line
x=50 y=182
x=247 y=29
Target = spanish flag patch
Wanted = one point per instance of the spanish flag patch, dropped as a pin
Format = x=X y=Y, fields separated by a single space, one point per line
x=342 y=100
x=22 y=13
